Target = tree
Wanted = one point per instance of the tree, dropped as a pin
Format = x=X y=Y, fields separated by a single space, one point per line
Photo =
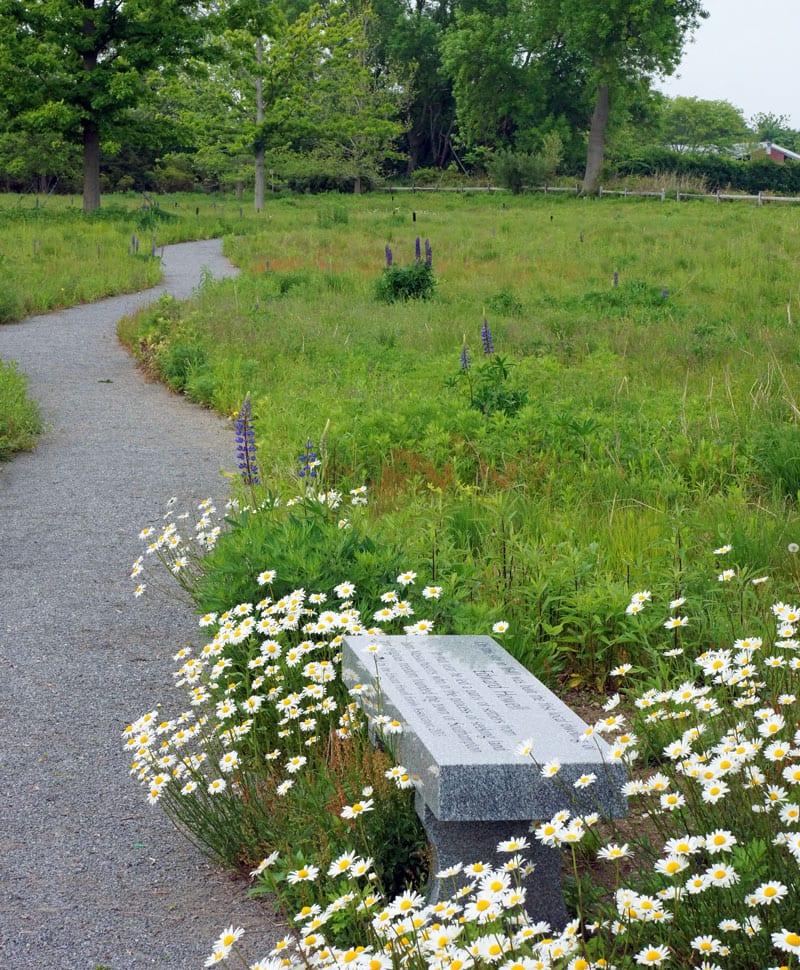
x=332 y=109
x=257 y=22
x=91 y=58
x=624 y=43
x=513 y=86
x=775 y=128
x=406 y=39
x=691 y=123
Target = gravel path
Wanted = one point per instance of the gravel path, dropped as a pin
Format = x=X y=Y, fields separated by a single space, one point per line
x=90 y=875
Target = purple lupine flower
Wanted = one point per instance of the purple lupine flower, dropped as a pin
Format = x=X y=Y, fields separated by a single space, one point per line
x=308 y=461
x=486 y=337
x=246 y=444
x=388 y=258
x=466 y=363
x=428 y=253
x=418 y=250
x=615 y=280
x=664 y=293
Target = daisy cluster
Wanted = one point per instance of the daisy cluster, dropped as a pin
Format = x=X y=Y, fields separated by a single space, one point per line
x=270 y=669
x=714 y=790
x=175 y=544
x=703 y=873
x=480 y=924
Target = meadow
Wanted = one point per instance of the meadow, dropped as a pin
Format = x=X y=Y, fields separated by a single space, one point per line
x=637 y=409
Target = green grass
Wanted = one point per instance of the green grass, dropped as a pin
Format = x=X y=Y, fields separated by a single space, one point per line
x=55 y=256
x=20 y=422
x=637 y=426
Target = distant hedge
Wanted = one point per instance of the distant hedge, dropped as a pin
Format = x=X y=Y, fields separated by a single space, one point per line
x=718 y=171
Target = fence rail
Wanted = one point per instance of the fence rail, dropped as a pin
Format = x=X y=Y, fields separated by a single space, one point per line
x=718 y=196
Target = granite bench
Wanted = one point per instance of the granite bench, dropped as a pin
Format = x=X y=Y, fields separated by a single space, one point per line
x=465 y=705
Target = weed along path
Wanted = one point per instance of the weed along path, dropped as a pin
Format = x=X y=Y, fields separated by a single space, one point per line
x=90 y=875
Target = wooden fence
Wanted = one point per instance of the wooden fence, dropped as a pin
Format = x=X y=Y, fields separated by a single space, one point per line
x=761 y=198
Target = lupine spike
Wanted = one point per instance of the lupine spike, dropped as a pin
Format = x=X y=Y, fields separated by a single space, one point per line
x=418 y=250
x=388 y=258
x=615 y=280
x=428 y=253
x=486 y=337
x=466 y=363
x=246 y=444
x=308 y=461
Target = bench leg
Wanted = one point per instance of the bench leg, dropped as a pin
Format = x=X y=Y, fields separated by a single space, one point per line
x=454 y=842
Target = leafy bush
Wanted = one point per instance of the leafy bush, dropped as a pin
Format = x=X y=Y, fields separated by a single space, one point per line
x=721 y=172
x=517 y=170
x=403 y=283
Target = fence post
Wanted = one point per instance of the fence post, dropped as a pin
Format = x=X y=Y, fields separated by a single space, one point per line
x=759 y=197
x=718 y=194
x=663 y=194
x=600 y=192
x=625 y=193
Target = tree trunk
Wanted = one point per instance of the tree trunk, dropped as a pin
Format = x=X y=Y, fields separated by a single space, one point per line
x=260 y=181
x=91 y=167
x=91 y=132
x=597 y=139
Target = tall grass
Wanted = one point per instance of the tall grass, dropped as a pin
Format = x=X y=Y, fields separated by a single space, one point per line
x=53 y=255
x=20 y=421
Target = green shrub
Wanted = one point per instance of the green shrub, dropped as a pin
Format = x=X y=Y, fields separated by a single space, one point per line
x=402 y=283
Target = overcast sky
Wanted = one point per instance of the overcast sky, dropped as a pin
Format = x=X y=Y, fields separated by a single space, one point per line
x=747 y=52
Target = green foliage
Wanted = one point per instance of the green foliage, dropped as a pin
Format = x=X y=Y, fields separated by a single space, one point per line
x=323 y=753
x=20 y=421
x=331 y=216
x=58 y=78
x=402 y=283
x=10 y=303
x=638 y=410
x=692 y=123
x=775 y=450
x=517 y=170
x=760 y=174
x=305 y=546
x=490 y=391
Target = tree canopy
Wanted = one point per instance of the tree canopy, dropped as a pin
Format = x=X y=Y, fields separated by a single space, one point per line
x=74 y=66
x=171 y=92
x=692 y=123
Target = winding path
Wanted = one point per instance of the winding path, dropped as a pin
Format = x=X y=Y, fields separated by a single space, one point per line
x=90 y=875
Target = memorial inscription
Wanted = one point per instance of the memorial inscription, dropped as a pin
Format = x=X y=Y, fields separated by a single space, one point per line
x=465 y=704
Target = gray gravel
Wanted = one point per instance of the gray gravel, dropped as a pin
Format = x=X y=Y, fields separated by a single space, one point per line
x=90 y=875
